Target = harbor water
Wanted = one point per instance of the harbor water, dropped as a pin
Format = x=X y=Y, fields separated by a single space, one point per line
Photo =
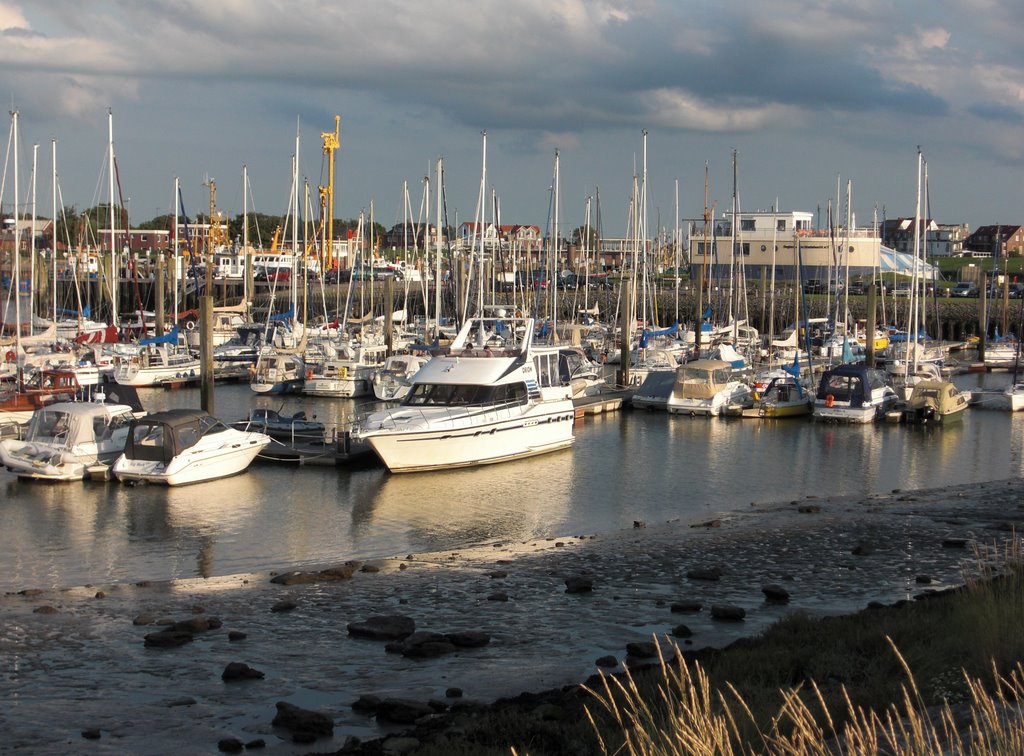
x=624 y=467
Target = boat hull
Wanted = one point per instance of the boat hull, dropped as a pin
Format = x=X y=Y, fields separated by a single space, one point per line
x=37 y=462
x=189 y=467
x=482 y=439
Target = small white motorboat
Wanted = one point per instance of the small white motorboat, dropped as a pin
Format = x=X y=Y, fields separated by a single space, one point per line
x=183 y=446
x=65 y=439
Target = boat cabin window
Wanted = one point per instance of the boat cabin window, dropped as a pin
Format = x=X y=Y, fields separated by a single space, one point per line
x=49 y=425
x=546 y=366
x=469 y=395
x=188 y=435
x=104 y=427
x=147 y=443
x=843 y=387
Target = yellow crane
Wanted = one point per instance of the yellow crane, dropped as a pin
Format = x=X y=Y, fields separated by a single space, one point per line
x=331 y=143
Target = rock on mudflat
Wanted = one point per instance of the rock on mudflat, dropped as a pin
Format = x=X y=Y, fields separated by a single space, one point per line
x=685 y=607
x=167 y=638
x=704 y=573
x=240 y=671
x=642 y=649
x=383 y=627
x=230 y=745
x=728 y=612
x=340 y=572
x=422 y=644
x=297 y=720
x=775 y=594
x=578 y=584
x=402 y=710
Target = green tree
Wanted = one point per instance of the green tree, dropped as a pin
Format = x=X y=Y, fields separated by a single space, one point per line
x=586 y=236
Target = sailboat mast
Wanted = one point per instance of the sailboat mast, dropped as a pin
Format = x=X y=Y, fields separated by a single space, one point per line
x=17 y=237
x=245 y=238
x=733 y=288
x=675 y=248
x=437 y=257
x=114 y=272
x=912 y=336
x=177 y=264
x=648 y=300
x=846 y=252
x=482 y=216
x=295 y=230
x=557 y=248
x=32 y=244
x=771 y=301
x=53 y=273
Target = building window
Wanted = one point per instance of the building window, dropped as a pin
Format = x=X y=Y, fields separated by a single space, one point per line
x=780 y=224
x=746 y=224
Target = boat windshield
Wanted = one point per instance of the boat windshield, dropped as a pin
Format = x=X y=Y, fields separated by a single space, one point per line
x=49 y=426
x=467 y=395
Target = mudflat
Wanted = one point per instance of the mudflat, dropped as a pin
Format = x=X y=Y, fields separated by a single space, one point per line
x=149 y=667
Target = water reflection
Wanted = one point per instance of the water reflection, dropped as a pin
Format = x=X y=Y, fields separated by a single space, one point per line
x=514 y=500
x=623 y=467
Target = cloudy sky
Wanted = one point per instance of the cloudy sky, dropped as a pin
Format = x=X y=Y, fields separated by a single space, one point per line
x=807 y=92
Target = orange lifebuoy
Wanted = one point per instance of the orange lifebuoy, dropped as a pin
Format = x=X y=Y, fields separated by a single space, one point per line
x=11 y=356
x=829 y=400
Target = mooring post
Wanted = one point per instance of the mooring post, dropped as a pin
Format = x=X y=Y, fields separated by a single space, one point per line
x=206 y=351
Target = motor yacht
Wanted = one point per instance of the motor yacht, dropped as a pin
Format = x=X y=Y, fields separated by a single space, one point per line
x=183 y=446
x=65 y=439
x=494 y=395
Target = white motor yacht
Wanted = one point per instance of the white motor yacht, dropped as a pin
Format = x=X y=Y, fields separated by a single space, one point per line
x=493 y=396
x=65 y=439
x=392 y=382
x=349 y=374
x=853 y=393
x=707 y=387
x=183 y=446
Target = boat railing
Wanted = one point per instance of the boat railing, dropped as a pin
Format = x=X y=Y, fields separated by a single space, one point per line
x=462 y=414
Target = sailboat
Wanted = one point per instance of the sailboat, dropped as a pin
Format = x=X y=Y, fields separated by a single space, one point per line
x=1011 y=398
x=784 y=395
x=156 y=361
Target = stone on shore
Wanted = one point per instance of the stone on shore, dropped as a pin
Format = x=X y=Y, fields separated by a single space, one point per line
x=579 y=584
x=240 y=671
x=775 y=594
x=402 y=710
x=340 y=572
x=383 y=627
x=298 y=720
x=728 y=613
x=704 y=573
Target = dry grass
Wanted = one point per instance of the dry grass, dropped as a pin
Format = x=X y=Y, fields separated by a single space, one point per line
x=880 y=708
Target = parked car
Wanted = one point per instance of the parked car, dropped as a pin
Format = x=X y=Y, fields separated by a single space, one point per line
x=569 y=281
x=858 y=287
x=964 y=289
x=813 y=286
x=924 y=288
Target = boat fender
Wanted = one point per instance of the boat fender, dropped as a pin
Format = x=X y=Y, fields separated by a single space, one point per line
x=309 y=374
x=829 y=400
x=11 y=356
